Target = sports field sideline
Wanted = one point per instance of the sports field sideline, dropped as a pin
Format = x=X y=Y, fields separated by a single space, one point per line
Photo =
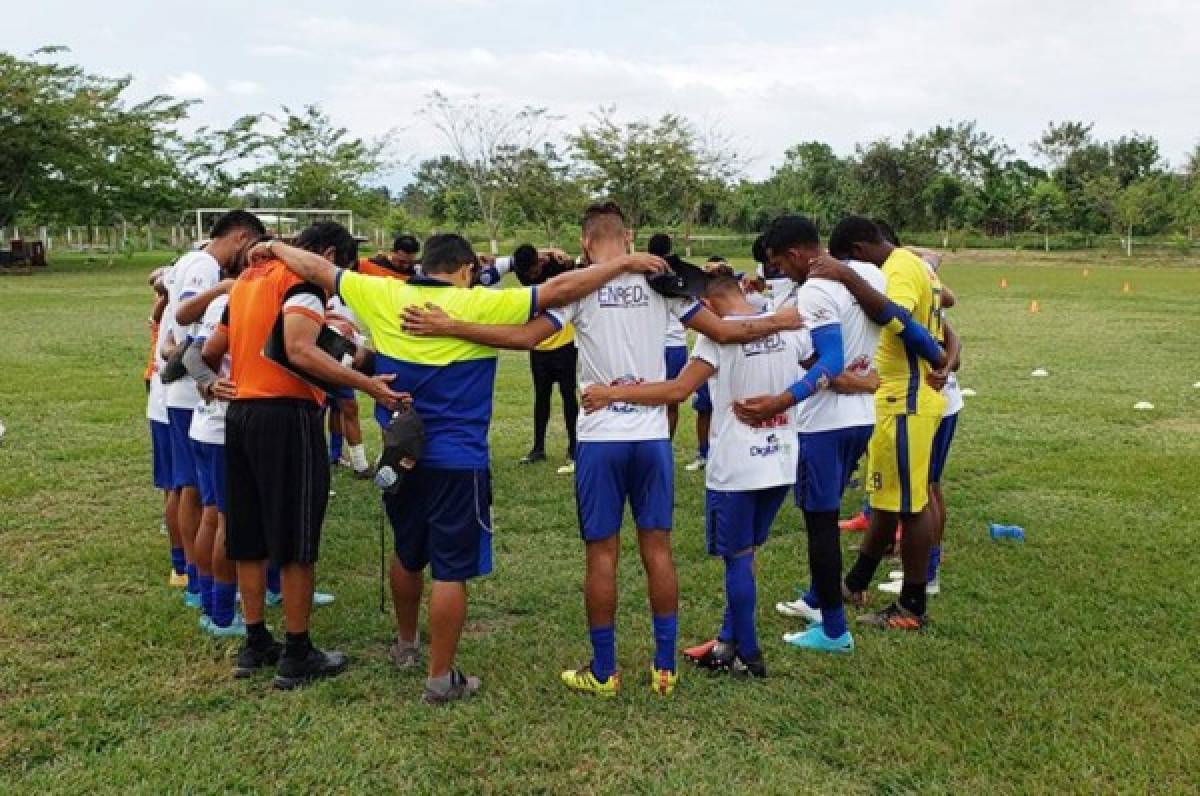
x=1068 y=662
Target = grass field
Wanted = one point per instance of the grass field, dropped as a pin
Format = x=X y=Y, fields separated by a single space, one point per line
x=1068 y=663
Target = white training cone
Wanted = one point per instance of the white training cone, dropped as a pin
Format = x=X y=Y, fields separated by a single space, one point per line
x=1040 y=372
x=1197 y=385
x=967 y=392
x=1143 y=406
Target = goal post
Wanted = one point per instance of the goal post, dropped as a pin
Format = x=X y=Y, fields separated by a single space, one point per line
x=281 y=221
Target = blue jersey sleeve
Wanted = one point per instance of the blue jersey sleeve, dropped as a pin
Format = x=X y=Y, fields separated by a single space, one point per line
x=827 y=342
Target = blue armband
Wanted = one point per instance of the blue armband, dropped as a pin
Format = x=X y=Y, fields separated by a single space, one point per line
x=916 y=338
x=831 y=360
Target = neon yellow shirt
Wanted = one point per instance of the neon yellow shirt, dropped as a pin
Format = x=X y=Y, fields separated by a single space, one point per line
x=903 y=389
x=564 y=336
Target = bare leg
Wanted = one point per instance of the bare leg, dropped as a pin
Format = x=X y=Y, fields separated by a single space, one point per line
x=672 y=418
x=222 y=568
x=406 y=599
x=189 y=514
x=205 y=538
x=351 y=429
x=447 y=613
x=297 y=596
x=600 y=581
x=252 y=582
x=661 y=581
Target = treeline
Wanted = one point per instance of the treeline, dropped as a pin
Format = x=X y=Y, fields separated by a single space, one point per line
x=75 y=151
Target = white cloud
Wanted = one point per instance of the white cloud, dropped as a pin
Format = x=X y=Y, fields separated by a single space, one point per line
x=188 y=85
x=243 y=88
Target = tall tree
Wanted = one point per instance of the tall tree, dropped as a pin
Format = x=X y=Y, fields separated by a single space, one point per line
x=479 y=135
x=1048 y=208
x=540 y=188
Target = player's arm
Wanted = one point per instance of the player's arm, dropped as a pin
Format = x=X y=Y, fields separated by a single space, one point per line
x=847 y=383
x=742 y=330
x=309 y=266
x=948 y=297
x=160 y=304
x=193 y=309
x=432 y=321
x=881 y=309
x=569 y=287
x=655 y=393
x=937 y=378
x=300 y=331
x=830 y=361
x=212 y=352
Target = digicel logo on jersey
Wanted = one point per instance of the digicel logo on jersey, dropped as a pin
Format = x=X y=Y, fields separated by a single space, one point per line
x=770 y=446
x=623 y=296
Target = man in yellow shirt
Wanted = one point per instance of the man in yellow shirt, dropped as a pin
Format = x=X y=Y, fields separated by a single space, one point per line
x=908 y=411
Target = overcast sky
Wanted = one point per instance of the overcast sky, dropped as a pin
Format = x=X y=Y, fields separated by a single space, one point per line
x=771 y=73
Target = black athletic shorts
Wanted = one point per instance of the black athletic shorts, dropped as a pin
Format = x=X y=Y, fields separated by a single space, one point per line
x=277 y=480
x=554 y=366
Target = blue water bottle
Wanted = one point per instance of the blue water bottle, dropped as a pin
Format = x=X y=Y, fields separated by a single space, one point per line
x=998 y=531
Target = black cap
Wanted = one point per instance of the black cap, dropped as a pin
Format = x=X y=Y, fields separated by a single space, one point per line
x=684 y=280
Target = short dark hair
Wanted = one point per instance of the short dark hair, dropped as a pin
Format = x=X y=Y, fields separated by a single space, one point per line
x=716 y=258
x=524 y=256
x=659 y=244
x=330 y=235
x=722 y=270
x=406 y=243
x=235 y=220
x=788 y=231
x=849 y=231
x=446 y=253
x=888 y=232
x=758 y=249
x=607 y=213
x=722 y=283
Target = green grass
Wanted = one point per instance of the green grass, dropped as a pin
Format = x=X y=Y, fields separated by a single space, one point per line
x=1067 y=663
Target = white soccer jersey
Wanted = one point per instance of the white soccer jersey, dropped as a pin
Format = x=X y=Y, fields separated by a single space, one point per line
x=743 y=457
x=192 y=273
x=208 y=418
x=156 y=399
x=676 y=334
x=621 y=332
x=821 y=302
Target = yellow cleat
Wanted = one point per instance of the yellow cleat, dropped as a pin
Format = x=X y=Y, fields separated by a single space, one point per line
x=583 y=681
x=663 y=681
x=177 y=580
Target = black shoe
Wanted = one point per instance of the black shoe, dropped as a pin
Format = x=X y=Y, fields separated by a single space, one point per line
x=533 y=456
x=749 y=667
x=250 y=658
x=717 y=658
x=295 y=672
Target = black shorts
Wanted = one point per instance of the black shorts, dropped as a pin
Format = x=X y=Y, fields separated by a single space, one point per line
x=443 y=519
x=277 y=480
x=554 y=366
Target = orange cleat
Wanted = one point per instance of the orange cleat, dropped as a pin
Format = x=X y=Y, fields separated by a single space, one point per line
x=859 y=523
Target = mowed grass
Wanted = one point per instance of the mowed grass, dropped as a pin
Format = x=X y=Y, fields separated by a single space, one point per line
x=1067 y=663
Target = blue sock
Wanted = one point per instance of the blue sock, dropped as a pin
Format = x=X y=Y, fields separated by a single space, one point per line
x=206 y=593
x=604 y=652
x=866 y=508
x=273 y=580
x=178 y=560
x=335 y=447
x=703 y=450
x=666 y=630
x=725 y=635
x=834 y=621
x=810 y=597
x=193 y=577
x=935 y=561
x=741 y=593
x=224 y=595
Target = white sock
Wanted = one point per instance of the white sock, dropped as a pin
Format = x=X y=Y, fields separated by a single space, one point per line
x=358 y=457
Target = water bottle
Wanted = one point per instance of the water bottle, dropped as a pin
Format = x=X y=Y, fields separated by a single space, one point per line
x=998 y=531
x=386 y=478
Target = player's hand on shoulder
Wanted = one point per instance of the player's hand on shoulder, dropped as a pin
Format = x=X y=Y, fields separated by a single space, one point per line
x=789 y=318
x=825 y=266
x=642 y=263
x=427 y=320
x=596 y=397
x=224 y=390
x=937 y=378
x=259 y=252
x=382 y=392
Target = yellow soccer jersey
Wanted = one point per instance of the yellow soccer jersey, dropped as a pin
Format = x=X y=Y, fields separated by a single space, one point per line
x=903 y=389
x=564 y=336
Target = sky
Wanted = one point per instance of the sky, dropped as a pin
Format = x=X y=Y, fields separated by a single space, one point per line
x=770 y=74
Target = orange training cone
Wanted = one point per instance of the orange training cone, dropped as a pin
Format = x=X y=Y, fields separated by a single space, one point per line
x=1034 y=307
x=1003 y=283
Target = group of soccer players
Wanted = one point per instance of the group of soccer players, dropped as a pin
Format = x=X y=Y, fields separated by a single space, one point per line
x=834 y=354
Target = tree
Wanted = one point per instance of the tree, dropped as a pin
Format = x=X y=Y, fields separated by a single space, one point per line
x=72 y=148
x=1134 y=158
x=539 y=187
x=480 y=135
x=1061 y=140
x=314 y=163
x=1048 y=208
x=442 y=191
x=1135 y=204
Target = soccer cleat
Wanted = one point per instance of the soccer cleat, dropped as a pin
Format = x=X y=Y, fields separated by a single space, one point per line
x=799 y=608
x=567 y=469
x=663 y=681
x=274 y=598
x=859 y=523
x=250 y=659
x=699 y=463
x=894 y=617
x=815 y=639
x=700 y=650
x=749 y=667
x=295 y=672
x=718 y=657
x=193 y=599
x=583 y=681
x=932 y=588
x=234 y=629
x=177 y=579
x=460 y=687
x=532 y=457
x=322 y=598
x=405 y=654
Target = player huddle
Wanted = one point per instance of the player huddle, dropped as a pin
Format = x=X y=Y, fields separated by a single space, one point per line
x=847 y=354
